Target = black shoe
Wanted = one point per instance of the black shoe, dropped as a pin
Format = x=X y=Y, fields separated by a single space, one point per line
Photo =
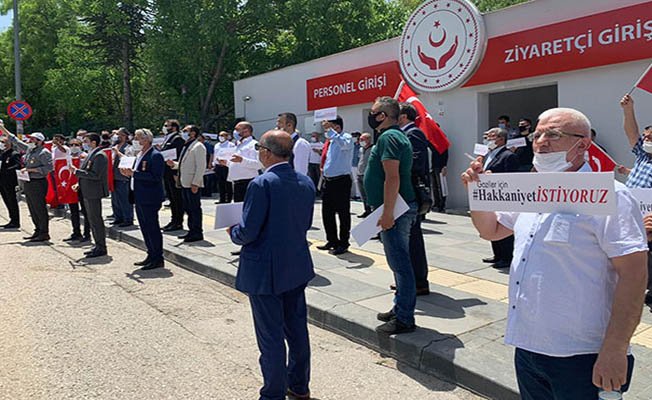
x=364 y=214
x=185 y=235
x=39 y=239
x=85 y=239
x=339 y=250
x=96 y=253
x=141 y=263
x=395 y=327
x=501 y=265
x=115 y=222
x=87 y=252
x=193 y=239
x=327 y=246
x=73 y=238
x=11 y=225
x=386 y=316
x=489 y=260
x=125 y=225
x=423 y=291
x=294 y=396
x=648 y=298
x=377 y=237
x=236 y=253
x=30 y=237
x=153 y=265
x=171 y=228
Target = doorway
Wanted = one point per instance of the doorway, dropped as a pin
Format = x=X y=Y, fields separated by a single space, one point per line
x=522 y=103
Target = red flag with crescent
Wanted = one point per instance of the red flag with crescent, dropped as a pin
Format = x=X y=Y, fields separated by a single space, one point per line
x=65 y=179
x=599 y=160
x=645 y=81
x=109 y=175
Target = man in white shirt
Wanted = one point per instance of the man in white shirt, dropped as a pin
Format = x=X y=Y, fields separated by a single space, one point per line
x=244 y=164
x=577 y=282
x=302 y=149
x=223 y=152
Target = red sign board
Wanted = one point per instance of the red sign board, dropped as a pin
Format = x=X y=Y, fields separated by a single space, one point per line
x=610 y=37
x=19 y=110
x=353 y=87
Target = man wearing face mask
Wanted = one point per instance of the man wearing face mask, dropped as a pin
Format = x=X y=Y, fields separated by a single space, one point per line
x=173 y=140
x=38 y=163
x=123 y=210
x=314 y=165
x=223 y=151
x=504 y=123
x=191 y=167
x=365 y=152
x=578 y=281
x=78 y=209
x=641 y=174
x=301 y=151
x=93 y=182
x=500 y=159
x=9 y=164
x=525 y=153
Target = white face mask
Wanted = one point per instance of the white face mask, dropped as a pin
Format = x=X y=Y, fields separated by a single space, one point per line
x=222 y=139
x=3 y=147
x=164 y=130
x=491 y=144
x=313 y=139
x=31 y=145
x=136 y=146
x=551 y=162
x=75 y=149
x=647 y=147
x=185 y=136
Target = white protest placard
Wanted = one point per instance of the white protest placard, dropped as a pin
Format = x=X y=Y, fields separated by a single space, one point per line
x=369 y=228
x=158 y=141
x=591 y=193
x=211 y=136
x=127 y=162
x=644 y=199
x=325 y=114
x=169 y=155
x=227 y=215
x=516 y=143
x=22 y=175
x=480 y=149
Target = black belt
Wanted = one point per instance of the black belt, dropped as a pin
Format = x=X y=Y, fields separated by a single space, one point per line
x=336 y=178
x=243 y=180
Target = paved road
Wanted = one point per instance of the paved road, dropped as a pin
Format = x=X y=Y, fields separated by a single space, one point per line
x=107 y=331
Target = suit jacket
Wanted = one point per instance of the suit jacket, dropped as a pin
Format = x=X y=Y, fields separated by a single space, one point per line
x=192 y=165
x=174 y=142
x=504 y=161
x=10 y=160
x=92 y=174
x=148 y=179
x=277 y=214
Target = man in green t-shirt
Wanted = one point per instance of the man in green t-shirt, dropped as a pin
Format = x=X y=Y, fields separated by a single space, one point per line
x=387 y=176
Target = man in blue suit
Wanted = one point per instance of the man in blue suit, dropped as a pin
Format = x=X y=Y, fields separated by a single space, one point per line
x=147 y=185
x=275 y=267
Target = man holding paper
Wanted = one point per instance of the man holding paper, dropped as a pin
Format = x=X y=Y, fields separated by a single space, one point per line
x=275 y=267
x=173 y=141
x=388 y=175
x=577 y=282
x=9 y=164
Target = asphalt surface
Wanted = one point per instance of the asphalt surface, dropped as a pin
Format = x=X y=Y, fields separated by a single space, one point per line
x=105 y=330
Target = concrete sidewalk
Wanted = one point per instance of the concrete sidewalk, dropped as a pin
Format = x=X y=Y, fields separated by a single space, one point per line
x=461 y=324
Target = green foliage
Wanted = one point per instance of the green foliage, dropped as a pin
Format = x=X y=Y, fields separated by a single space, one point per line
x=104 y=63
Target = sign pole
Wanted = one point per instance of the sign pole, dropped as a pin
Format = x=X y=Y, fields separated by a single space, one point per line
x=19 y=90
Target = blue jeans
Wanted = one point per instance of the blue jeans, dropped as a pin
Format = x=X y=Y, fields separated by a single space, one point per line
x=396 y=242
x=123 y=211
x=542 y=377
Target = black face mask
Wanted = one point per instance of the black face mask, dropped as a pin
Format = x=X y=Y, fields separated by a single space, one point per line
x=524 y=129
x=373 y=123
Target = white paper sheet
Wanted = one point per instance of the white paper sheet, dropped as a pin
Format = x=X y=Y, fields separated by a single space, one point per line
x=127 y=162
x=480 y=150
x=169 y=155
x=327 y=114
x=369 y=228
x=444 y=185
x=22 y=176
x=516 y=143
x=227 y=215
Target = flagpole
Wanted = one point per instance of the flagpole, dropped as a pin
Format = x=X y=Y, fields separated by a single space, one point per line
x=400 y=89
x=639 y=80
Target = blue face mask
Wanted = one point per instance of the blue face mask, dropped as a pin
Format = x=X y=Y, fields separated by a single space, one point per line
x=86 y=146
x=236 y=135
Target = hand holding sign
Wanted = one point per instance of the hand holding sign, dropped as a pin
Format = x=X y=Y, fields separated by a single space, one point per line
x=472 y=174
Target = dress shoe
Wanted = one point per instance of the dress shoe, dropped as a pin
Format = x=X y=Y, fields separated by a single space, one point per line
x=11 y=225
x=395 y=327
x=648 y=298
x=423 y=291
x=142 y=263
x=73 y=238
x=30 y=237
x=364 y=214
x=294 y=396
x=185 y=235
x=39 y=239
x=115 y=222
x=97 y=253
x=501 y=265
x=153 y=265
x=125 y=225
x=489 y=260
x=339 y=250
x=236 y=253
x=193 y=239
x=327 y=246
x=386 y=316
x=85 y=239
x=172 y=228
x=87 y=252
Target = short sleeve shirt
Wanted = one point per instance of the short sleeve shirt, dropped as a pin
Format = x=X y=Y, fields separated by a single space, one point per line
x=392 y=144
x=641 y=175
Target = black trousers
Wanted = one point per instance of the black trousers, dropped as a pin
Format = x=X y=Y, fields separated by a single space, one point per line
x=439 y=201
x=192 y=207
x=314 y=172
x=176 y=202
x=224 y=187
x=503 y=249
x=336 y=200
x=77 y=209
x=8 y=192
x=35 y=192
x=240 y=190
x=418 y=254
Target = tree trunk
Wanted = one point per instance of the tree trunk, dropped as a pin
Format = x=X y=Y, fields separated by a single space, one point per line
x=128 y=117
x=217 y=74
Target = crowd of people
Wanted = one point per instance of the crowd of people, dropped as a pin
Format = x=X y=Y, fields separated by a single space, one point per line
x=577 y=283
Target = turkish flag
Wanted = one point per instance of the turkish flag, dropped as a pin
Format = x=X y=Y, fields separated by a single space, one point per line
x=645 y=81
x=65 y=179
x=424 y=120
x=599 y=160
x=109 y=175
x=51 y=195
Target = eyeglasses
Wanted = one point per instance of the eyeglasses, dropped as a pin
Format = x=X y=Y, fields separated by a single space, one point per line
x=373 y=114
x=259 y=146
x=554 y=135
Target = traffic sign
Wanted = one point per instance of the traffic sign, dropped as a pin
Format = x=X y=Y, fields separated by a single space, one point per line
x=19 y=110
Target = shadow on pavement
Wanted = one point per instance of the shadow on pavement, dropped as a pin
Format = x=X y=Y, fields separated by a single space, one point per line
x=360 y=261
x=159 y=273
x=319 y=281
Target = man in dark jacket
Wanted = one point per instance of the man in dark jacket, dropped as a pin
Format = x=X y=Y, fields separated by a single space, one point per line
x=173 y=140
x=9 y=164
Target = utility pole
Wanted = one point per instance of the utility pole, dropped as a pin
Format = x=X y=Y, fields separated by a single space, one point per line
x=19 y=90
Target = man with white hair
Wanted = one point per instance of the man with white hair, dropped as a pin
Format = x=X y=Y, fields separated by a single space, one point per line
x=577 y=281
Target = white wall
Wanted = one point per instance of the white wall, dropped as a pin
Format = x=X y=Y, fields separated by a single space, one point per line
x=464 y=111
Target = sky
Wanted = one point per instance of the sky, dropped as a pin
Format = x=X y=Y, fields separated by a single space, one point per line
x=5 y=21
